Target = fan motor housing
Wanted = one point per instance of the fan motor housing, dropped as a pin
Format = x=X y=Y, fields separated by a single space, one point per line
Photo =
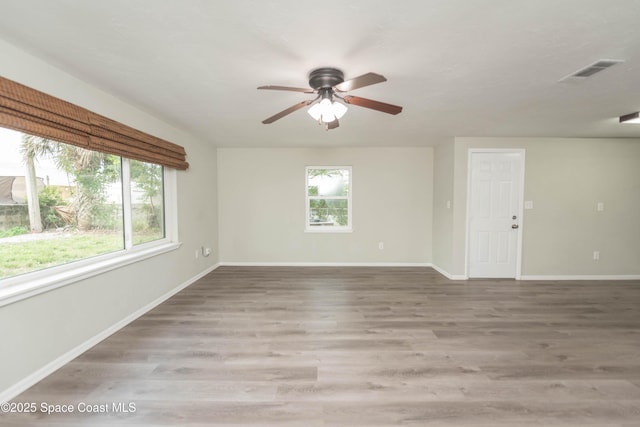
x=325 y=78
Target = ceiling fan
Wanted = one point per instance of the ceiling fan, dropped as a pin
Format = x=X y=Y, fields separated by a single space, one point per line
x=329 y=84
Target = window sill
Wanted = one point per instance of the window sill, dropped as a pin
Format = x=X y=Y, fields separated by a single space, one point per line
x=328 y=230
x=17 y=288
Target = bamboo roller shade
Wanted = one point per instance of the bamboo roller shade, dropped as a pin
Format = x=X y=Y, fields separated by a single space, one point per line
x=28 y=110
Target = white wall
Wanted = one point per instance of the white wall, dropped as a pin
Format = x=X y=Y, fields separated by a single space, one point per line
x=37 y=331
x=262 y=206
x=443 y=206
x=565 y=179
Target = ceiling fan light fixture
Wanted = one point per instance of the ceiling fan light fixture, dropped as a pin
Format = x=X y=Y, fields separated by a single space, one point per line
x=327 y=111
x=328 y=117
x=339 y=109
x=315 y=111
x=631 y=118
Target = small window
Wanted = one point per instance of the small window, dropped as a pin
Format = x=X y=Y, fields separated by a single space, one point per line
x=328 y=198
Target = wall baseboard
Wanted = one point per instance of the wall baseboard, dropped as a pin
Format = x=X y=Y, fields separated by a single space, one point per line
x=440 y=270
x=582 y=277
x=346 y=264
x=324 y=264
x=448 y=275
x=51 y=367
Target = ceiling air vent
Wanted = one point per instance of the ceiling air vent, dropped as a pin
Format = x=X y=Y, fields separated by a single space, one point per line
x=592 y=69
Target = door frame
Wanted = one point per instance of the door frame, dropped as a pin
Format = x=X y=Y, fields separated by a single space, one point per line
x=521 y=152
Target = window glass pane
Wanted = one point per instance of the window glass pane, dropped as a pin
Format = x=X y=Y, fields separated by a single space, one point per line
x=328 y=182
x=147 y=204
x=58 y=203
x=328 y=212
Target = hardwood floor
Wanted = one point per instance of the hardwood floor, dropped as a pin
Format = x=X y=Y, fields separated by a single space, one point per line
x=267 y=346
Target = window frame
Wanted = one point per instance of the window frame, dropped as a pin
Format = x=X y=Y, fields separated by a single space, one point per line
x=16 y=288
x=127 y=204
x=349 y=198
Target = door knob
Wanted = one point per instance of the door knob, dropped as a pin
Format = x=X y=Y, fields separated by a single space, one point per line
x=514 y=226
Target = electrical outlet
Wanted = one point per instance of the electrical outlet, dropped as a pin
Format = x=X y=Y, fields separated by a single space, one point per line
x=381 y=245
x=600 y=207
x=596 y=255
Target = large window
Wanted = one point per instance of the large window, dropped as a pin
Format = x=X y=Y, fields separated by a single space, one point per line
x=328 y=198
x=60 y=203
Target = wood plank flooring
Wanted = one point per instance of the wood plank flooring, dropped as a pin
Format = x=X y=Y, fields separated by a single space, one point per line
x=268 y=346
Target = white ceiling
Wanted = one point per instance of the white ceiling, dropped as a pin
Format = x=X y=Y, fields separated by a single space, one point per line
x=458 y=67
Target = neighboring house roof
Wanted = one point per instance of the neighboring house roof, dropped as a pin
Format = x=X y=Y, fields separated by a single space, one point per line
x=13 y=190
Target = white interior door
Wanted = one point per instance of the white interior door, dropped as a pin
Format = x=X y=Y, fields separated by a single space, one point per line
x=495 y=209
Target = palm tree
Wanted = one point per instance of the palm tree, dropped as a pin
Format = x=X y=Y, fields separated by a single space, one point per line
x=32 y=147
x=91 y=170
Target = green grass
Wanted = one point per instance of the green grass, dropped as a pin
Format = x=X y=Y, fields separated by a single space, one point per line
x=15 y=231
x=24 y=257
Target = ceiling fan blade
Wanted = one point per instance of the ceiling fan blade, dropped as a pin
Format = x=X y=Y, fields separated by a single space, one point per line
x=360 y=81
x=291 y=89
x=289 y=110
x=374 y=105
x=332 y=125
